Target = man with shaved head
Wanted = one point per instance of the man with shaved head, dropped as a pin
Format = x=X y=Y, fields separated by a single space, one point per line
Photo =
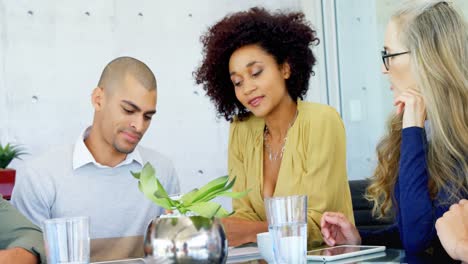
x=92 y=177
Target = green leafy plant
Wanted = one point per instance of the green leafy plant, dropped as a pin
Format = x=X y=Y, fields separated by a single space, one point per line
x=197 y=201
x=8 y=153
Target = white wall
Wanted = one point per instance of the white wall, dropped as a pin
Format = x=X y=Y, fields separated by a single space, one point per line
x=52 y=54
x=366 y=98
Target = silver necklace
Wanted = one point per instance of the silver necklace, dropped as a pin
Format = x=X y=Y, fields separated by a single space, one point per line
x=278 y=155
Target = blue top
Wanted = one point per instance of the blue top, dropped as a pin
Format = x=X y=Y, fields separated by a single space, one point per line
x=416 y=212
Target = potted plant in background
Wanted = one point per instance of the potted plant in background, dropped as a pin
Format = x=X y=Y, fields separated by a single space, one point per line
x=7 y=154
x=192 y=233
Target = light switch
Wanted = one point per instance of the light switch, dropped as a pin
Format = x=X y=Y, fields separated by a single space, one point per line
x=355 y=110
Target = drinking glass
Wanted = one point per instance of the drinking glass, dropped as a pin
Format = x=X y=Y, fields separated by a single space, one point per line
x=67 y=240
x=287 y=224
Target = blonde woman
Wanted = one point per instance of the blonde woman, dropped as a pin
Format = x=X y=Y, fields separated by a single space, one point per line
x=422 y=161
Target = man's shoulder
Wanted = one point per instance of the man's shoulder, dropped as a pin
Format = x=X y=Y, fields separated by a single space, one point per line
x=61 y=154
x=43 y=171
x=164 y=167
x=154 y=157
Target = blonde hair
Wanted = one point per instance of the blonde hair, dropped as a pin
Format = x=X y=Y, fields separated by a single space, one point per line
x=437 y=37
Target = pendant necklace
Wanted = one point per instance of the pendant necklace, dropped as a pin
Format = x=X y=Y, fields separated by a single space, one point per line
x=278 y=155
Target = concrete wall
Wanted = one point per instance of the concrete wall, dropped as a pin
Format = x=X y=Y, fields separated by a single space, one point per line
x=366 y=98
x=52 y=54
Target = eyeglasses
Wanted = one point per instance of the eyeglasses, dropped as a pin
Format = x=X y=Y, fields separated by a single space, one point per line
x=386 y=56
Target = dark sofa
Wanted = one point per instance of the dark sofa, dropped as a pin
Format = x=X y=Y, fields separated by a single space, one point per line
x=363 y=208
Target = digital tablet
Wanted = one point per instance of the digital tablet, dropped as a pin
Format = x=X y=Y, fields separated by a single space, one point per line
x=123 y=261
x=344 y=251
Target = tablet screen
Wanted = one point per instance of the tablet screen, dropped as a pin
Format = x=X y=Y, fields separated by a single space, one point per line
x=342 y=251
x=125 y=261
x=333 y=251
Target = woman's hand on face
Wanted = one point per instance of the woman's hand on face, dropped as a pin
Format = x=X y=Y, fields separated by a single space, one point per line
x=338 y=230
x=412 y=102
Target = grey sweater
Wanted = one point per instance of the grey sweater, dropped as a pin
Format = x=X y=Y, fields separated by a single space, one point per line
x=48 y=187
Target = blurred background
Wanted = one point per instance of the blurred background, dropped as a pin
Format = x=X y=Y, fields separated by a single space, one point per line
x=52 y=54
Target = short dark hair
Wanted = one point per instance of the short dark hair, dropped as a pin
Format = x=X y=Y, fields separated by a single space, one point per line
x=116 y=70
x=285 y=36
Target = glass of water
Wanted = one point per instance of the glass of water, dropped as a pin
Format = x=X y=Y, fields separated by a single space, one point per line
x=67 y=240
x=287 y=224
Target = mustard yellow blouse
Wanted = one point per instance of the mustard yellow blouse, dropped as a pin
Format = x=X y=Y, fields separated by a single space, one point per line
x=313 y=163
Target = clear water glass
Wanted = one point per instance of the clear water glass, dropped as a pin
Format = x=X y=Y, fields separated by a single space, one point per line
x=67 y=240
x=287 y=224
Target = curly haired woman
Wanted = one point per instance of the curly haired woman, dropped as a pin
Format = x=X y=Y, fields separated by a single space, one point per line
x=256 y=71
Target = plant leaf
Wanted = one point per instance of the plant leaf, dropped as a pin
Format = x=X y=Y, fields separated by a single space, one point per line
x=212 y=186
x=163 y=202
x=8 y=153
x=226 y=187
x=148 y=177
x=152 y=188
x=160 y=191
x=221 y=213
x=205 y=209
x=234 y=195
x=201 y=222
x=197 y=201
x=136 y=175
x=216 y=193
x=188 y=197
x=231 y=183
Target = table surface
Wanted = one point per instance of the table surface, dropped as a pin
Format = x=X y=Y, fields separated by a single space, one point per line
x=389 y=256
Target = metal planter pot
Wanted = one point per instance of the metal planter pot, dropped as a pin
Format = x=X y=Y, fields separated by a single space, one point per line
x=185 y=239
